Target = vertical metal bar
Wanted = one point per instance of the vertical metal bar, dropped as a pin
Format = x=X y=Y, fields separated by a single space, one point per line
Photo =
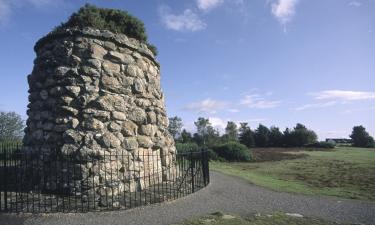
x=5 y=180
x=122 y=161
x=153 y=176
x=131 y=179
x=105 y=180
x=158 y=173
x=192 y=171
x=81 y=176
x=111 y=178
x=93 y=183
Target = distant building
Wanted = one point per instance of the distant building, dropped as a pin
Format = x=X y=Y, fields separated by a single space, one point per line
x=339 y=140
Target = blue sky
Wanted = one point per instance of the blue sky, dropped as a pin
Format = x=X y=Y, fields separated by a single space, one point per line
x=276 y=62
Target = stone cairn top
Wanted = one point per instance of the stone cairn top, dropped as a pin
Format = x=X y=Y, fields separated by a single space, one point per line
x=117 y=38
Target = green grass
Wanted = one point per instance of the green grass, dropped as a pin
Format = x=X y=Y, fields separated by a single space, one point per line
x=275 y=219
x=345 y=172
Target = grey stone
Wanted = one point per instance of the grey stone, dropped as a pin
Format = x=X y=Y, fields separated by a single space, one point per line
x=43 y=94
x=120 y=58
x=137 y=115
x=74 y=90
x=148 y=130
x=56 y=91
x=93 y=124
x=139 y=86
x=72 y=136
x=110 y=67
x=112 y=126
x=119 y=116
x=97 y=51
x=130 y=143
x=69 y=110
x=48 y=126
x=109 y=140
x=134 y=71
x=95 y=63
x=68 y=149
x=144 y=142
x=151 y=117
x=129 y=128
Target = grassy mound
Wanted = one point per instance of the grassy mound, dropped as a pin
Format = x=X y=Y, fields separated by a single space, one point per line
x=114 y=20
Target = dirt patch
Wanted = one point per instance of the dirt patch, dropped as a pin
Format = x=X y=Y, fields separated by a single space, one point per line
x=262 y=155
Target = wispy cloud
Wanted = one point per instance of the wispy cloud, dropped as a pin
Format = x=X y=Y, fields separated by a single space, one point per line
x=258 y=102
x=208 y=4
x=284 y=10
x=187 y=21
x=355 y=3
x=206 y=106
x=5 y=11
x=218 y=123
x=316 y=105
x=344 y=95
x=233 y=110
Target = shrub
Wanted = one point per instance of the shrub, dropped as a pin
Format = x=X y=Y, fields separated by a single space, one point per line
x=212 y=155
x=233 y=151
x=186 y=147
x=114 y=20
x=322 y=144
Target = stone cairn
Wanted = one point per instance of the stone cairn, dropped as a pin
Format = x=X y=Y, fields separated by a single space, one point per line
x=95 y=98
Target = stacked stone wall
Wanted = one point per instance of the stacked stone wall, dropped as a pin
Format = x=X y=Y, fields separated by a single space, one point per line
x=95 y=97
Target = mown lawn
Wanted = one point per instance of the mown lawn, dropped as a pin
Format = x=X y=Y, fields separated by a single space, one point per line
x=344 y=172
x=275 y=219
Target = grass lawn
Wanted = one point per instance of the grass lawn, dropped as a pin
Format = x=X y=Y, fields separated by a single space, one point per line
x=345 y=172
x=275 y=219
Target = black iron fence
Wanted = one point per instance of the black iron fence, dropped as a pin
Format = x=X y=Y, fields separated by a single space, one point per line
x=52 y=182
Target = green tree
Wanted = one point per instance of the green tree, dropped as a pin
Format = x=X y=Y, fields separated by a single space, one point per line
x=361 y=138
x=201 y=125
x=246 y=136
x=231 y=131
x=287 y=138
x=175 y=126
x=262 y=136
x=11 y=126
x=302 y=136
x=185 y=137
x=206 y=133
x=275 y=137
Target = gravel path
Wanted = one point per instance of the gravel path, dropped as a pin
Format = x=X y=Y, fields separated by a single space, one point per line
x=226 y=194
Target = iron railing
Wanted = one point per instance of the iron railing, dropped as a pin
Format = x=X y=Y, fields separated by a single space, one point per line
x=45 y=182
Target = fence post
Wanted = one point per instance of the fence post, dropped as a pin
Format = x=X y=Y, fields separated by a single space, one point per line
x=5 y=175
x=192 y=171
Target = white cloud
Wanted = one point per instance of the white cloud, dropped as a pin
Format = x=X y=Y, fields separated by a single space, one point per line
x=316 y=105
x=257 y=102
x=208 y=4
x=206 y=106
x=233 y=110
x=5 y=12
x=187 y=21
x=355 y=3
x=344 y=95
x=284 y=10
x=218 y=123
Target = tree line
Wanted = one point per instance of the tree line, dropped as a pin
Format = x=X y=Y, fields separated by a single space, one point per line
x=12 y=125
x=262 y=136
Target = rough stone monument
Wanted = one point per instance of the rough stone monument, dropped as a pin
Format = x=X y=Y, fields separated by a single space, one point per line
x=95 y=96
